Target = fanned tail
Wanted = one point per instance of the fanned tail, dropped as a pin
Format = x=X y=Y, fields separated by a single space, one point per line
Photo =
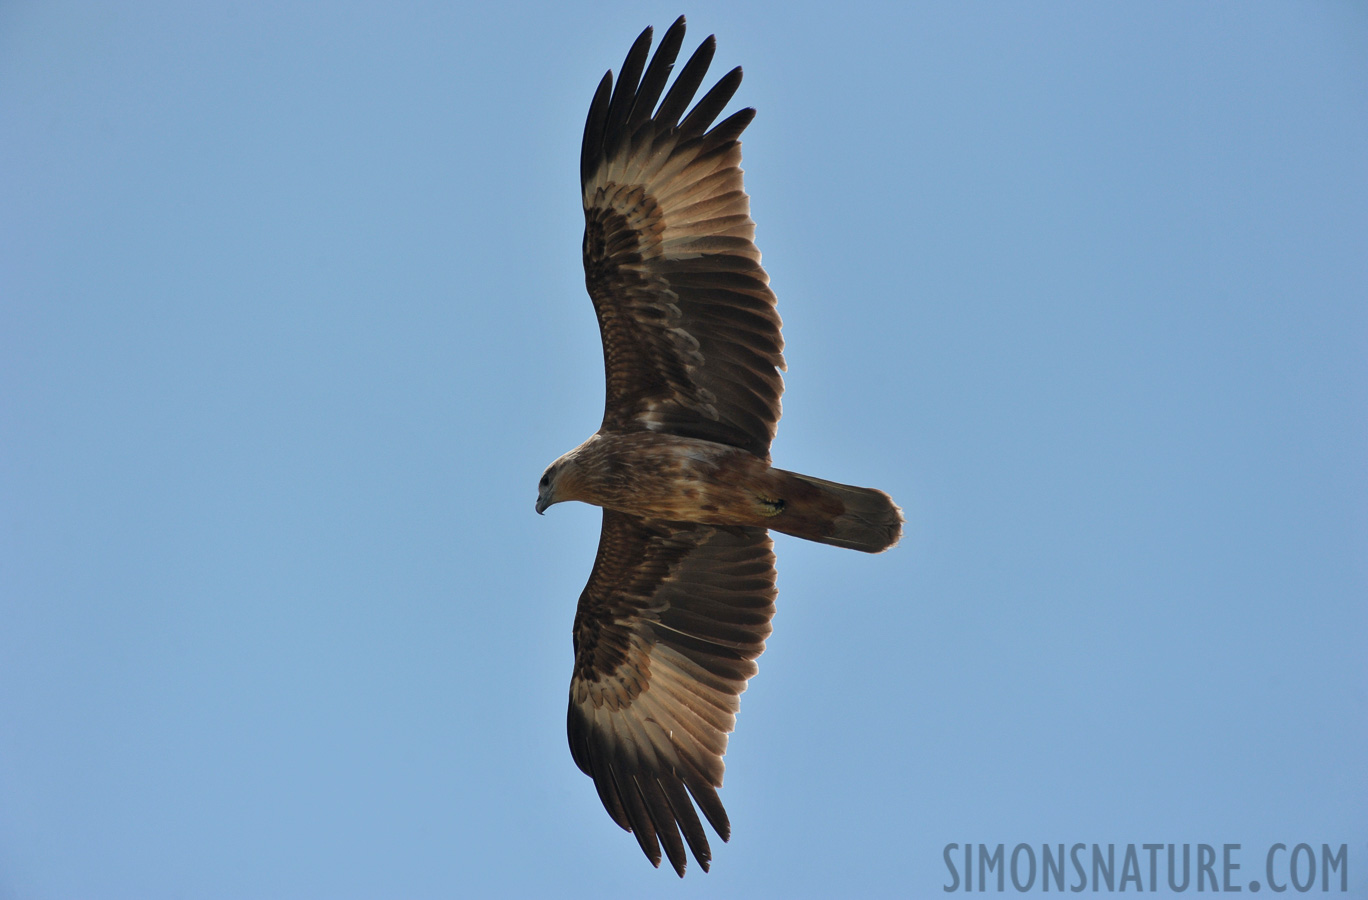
x=838 y=514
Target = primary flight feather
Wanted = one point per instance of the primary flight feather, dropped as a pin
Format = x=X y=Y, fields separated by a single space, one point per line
x=679 y=602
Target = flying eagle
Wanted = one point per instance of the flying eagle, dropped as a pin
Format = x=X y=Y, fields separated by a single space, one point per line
x=679 y=603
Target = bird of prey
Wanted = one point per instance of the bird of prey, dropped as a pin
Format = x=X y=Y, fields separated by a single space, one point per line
x=678 y=605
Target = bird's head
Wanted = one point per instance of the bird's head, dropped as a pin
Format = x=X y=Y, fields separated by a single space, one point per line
x=564 y=479
x=546 y=488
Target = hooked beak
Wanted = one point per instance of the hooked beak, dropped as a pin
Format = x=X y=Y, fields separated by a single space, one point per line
x=541 y=506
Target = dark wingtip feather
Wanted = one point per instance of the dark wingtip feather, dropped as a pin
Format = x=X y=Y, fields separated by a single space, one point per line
x=688 y=821
x=591 y=148
x=686 y=84
x=637 y=814
x=662 y=816
x=730 y=128
x=657 y=74
x=703 y=113
x=624 y=95
x=705 y=796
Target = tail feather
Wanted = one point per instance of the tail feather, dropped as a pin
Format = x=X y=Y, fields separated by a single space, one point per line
x=838 y=514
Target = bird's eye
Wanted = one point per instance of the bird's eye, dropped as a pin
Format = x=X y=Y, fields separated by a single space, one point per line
x=546 y=479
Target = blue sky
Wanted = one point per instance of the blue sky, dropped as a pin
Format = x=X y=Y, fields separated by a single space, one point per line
x=292 y=318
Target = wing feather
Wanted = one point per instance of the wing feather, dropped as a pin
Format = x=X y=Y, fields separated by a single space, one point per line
x=707 y=109
x=666 y=636
x=657 y=74
x=681 y=92
x=624 y=96
x=591 y=150
x=691 y=340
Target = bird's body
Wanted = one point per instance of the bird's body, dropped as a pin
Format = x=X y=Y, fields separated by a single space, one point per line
x=679 y=602
x=683 y=479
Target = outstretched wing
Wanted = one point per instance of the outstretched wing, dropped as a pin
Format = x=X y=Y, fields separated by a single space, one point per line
x=666 y=636
x=691 y=341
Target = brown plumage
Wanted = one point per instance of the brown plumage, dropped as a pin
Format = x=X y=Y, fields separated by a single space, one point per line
x=679 y=602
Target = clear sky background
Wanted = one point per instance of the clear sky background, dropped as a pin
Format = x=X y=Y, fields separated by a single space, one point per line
x=292 y=318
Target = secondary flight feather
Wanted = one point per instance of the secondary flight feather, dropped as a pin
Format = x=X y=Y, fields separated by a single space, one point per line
x=679 y=602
